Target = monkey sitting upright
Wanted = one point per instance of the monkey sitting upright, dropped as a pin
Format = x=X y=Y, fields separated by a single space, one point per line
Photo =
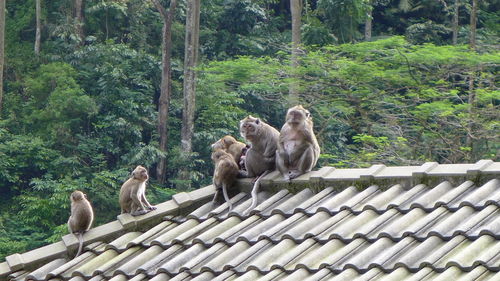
x=263 y=138
x=230 y=145
x=133 y=194
x=225 y=173
x=260 y=157
x=81 y=217
x=298 y=149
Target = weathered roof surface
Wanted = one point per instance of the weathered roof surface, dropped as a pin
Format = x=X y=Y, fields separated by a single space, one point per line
x=428 y=222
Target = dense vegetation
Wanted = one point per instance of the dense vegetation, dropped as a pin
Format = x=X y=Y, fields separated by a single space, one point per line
x=81 y=115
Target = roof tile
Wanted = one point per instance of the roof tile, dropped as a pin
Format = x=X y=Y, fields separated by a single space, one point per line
x=447 y=230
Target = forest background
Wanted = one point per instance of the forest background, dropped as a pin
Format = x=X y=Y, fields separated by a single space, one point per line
x=397 y=82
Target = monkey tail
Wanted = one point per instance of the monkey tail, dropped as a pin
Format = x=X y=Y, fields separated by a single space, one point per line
x=255 y=190
x=80 y=246
x=226 y=197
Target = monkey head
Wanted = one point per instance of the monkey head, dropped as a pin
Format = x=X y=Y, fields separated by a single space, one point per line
x=77 y=196
x=250 y=127
x=220 y=154
x=140 y=173
x=223 y=143
x=297 y=115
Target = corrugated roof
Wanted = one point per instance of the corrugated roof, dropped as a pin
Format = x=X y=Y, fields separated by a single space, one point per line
x=429 y=222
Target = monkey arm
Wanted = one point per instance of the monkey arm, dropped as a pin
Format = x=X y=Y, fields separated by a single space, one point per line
x=270 y=151
x=146 y=202
x=137 y=199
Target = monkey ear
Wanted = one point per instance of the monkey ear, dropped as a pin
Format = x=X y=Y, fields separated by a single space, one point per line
x=308 y=113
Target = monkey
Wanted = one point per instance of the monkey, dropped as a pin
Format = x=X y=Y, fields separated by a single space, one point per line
x=81 y=217
x=298 y=148
x=260 y=157
x=133 y=193
x=230 y=145
x=225 y=173
x=243 y=156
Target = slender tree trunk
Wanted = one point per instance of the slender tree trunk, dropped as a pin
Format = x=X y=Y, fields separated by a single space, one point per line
x=473 y=22
x=469 y=142
x=2 y=49
x=296 y=10
x=79 y=6
x=190 y=60
x=38 y=15
x=165 y=88
x=455 y=21
x=368 y=25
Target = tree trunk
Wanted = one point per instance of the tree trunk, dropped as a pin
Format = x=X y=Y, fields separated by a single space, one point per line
x=473 y=22
x=165 y=88
x=79 y=6
x=190 y=60
x=296 y=11
x=368 y=25
x=470 y=128
x=38 y=14
x=2 y=49
x=455 y=22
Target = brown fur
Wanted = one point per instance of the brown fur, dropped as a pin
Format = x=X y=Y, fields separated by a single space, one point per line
x=263 y=138
x=260 y=157
x=133 y=193
x=225 y=173
x=230 y=145
x=81 y=217
x=298 y=149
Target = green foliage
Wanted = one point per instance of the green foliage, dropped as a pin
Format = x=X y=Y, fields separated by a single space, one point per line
x=58 y=106
x=24 y=157
x=427 y=32
x=344 y=16
x=383 y=101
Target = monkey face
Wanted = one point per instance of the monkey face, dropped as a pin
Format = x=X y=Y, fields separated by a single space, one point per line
x=140 y=173
x=297 y=115
x=250 y=126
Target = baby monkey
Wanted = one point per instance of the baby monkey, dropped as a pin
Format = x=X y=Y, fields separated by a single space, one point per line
x=230 y=145
x=81 y=217
x=133 y=193
x=225 y=174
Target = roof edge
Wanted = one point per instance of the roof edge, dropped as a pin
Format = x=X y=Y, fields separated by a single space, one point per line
x=180 y=203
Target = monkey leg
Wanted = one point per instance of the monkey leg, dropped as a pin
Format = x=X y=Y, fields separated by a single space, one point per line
x=137 y=206
x=214 y=200
x=254 y=164
x=282 y=164
x=139 y=212
x=304 y=164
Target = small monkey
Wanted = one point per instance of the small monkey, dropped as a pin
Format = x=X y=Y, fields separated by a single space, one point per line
x=243 y=157
x=225 y=174
x=260 y=157
x=133 y=193
x=298 y=149
x=230 y=145
x=81 y=217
